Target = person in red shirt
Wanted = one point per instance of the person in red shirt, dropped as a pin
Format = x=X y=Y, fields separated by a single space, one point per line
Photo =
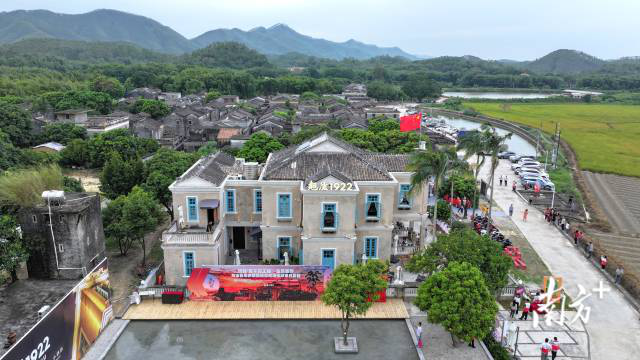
x=525 y=311
x=545 y=349
x=555 y=346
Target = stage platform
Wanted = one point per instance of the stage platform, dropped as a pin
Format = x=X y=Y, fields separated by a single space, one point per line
x=255 y=310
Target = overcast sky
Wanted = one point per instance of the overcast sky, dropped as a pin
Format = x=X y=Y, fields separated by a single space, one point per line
x=491 y=29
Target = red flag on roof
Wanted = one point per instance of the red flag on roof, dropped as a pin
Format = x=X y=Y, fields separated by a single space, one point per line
x=410 y=122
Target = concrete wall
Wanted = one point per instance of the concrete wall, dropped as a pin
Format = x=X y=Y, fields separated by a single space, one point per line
x=180 y=199
x=344 y=254
x=78 y=234
x=173 y=261
x=312 y=210
x=244 y=205
x=270 y=202
x=270 y=240
x=384 y=241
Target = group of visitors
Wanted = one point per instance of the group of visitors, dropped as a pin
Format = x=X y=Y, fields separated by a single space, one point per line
x=461 y=205
x=553 y=216
x=529 y=306
x=504 y=180
x=549 y=347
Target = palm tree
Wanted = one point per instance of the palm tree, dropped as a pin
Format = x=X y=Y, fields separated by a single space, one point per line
x=424 y=165
x=474 y=144
x=494 y=144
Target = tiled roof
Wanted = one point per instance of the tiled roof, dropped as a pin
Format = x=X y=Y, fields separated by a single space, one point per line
x=297 y=163
x=227 y=133
x=213 y=168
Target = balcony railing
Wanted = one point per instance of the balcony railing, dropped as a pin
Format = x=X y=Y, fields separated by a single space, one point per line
x=191 y=236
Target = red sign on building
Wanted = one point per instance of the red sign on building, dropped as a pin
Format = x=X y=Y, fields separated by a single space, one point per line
x=258 y=282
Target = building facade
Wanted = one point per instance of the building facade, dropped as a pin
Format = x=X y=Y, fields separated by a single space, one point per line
x=66 y=236
x=323 y=202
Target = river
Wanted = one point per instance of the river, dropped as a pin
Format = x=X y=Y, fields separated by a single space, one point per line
x=516 y=144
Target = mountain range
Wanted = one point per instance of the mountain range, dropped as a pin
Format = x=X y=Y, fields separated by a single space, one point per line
x=112 y=25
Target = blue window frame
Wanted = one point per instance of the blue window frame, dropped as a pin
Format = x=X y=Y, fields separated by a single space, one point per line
x=284 y=206
x=284 y=245
x=230 y=201
x=404 y=200
x=257 y=201
x=329 y=216
x=371 y=247
x=192 y=208
x=372 y=207
x=188 y=262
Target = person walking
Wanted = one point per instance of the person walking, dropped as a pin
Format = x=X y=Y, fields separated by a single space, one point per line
x=619 y=273
x=506 y=180
x=555 y=346
x=517 y=298
x=575 y=236
x=511 y=210
x=545 y=348
x=590 y=250
x=525 y=215
x=473 y=342
x=603 y=262
x=525 y=311
x=514 y=308
x=500 y=180
x=419 y=334
x=513 y=187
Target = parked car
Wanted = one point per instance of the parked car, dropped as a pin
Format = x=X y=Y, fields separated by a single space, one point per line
x=545 y=184
x=526 y=164
x=506 y=154
x=516 y=158
x=532 y=170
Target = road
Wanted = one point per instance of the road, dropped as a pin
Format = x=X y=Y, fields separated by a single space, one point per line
x=613 y=325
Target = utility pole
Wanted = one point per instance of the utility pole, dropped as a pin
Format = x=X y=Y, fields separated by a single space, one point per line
x=554 y=156
x=555 y=160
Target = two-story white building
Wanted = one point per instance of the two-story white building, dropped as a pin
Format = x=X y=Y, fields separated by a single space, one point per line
x=324 y=202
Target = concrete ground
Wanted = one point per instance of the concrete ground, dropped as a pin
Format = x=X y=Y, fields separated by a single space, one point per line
x=264 y=340
x=437 y=342
x=613 y=324
x=20 y=302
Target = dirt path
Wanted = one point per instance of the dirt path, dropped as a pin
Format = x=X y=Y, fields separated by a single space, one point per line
x=122 y=269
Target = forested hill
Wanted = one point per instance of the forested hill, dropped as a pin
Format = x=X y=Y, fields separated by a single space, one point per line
x=112 y=25
x=281 y=39
x=564 y=61
x=98 y=25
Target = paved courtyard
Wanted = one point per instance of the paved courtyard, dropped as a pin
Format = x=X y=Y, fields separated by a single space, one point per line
x=613 y=325
x=264 y=340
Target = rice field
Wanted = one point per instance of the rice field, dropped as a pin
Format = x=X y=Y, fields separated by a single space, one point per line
x=605 y=137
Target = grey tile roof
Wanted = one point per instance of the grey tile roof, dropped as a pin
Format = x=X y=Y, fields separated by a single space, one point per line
x=296 y=163
x=213 y=168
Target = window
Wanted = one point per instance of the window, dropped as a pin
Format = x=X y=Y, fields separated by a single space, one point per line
x=189 y=262
x=60 y=247
x=62 y=218
x=257 y=201
x=371 y=247
x=372 y=207
x=404 y=201
x=230 y=201
x=34 y=218
x=284 y=246
x=192 y=208
x=47 y=219
x=329 y=217
x=284 y=206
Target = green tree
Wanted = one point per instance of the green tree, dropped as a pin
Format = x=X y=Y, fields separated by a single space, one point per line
x=92 y=100
x=15 y=123
x=420 y=86
x=12 y=249
x=108 y=85
x=428 y=164
x=458 y=299
x=129 y=218
x=353 y=288
x=9 y=154
x=62 y=133
x=119 y=176
x=155 y=108
x=71 y=184
x=99 y=147
x=258 y=147
x=474 y=144
x=468 y=246
x=494 y=144
x=76 y=153
x=463 y=186
x=163 y=169
x=212 y=95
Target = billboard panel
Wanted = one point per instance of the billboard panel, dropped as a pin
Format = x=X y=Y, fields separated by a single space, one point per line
x=258 y=282
x=67 y=331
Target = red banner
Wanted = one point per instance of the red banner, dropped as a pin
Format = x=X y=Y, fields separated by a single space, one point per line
x=258 y=282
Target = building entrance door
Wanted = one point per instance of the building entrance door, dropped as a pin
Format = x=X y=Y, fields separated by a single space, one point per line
x=238 y=238
x=329 y=258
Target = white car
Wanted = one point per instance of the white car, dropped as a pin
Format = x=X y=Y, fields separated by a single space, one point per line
x=526 y=164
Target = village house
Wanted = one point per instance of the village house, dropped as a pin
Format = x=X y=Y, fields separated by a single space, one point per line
x=323 y=202
x=76 y=116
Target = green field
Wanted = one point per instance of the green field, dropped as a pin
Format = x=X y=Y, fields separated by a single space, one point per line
x=606 y=138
